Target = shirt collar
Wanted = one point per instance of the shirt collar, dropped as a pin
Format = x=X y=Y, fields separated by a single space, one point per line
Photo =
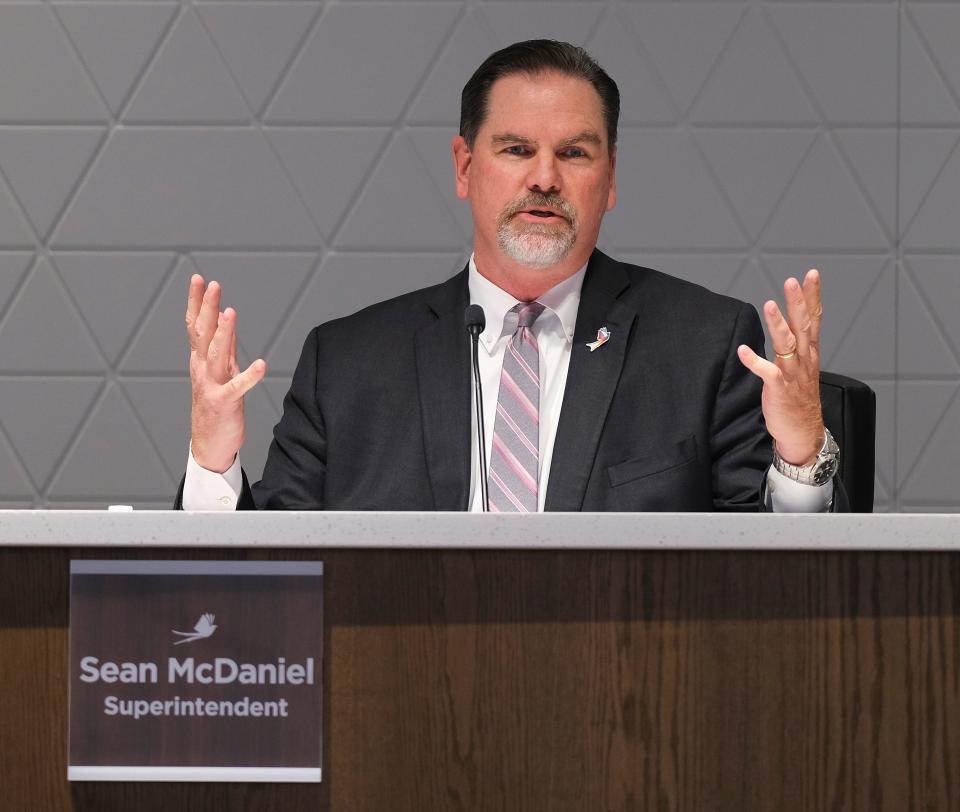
x=562 y=300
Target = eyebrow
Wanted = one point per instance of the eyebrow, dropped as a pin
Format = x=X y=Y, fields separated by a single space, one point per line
x=510 y=138
x=588 y=136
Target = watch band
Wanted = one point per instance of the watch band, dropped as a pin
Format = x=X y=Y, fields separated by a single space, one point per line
x=818 y=472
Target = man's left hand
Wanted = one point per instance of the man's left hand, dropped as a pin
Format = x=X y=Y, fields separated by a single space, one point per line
x=791 y=383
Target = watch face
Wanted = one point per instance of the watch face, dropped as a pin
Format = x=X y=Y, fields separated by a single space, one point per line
x=825 y=471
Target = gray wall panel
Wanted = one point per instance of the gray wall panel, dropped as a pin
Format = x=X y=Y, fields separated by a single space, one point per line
x=928 y=330
x=298 y=151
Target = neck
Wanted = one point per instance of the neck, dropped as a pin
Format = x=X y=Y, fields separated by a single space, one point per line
x=523 y=282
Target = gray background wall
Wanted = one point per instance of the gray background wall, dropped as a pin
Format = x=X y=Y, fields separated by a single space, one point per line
x=298 y=152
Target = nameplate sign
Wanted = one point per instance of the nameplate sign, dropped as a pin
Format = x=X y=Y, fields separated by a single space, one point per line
x=196 y=671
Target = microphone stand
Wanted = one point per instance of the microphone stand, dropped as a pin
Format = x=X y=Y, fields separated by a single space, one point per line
x=476 y=321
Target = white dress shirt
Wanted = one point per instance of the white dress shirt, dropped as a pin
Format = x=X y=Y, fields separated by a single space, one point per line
x=206 y=490
x=554 y=332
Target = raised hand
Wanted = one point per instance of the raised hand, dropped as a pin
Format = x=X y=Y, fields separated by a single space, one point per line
x=791 y=384
x=217 y=422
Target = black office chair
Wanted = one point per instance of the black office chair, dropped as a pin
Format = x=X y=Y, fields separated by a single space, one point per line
x=850 y=412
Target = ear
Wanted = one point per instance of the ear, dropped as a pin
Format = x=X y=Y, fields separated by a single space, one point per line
x=612 y=193
x=462 y=158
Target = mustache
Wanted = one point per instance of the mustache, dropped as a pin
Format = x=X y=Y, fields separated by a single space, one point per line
x=539 y=200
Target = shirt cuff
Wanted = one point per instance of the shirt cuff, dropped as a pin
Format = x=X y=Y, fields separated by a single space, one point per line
x=208 y=490
x=785 y=495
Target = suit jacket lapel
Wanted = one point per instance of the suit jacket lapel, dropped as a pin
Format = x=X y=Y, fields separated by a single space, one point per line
x=591 y=382
x=443 y=372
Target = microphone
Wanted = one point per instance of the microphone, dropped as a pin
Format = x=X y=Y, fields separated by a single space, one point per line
x=474 y=320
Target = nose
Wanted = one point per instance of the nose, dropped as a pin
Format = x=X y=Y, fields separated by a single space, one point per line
x=544 y=175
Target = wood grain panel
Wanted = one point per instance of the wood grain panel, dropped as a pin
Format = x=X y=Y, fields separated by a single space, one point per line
x=567 y=681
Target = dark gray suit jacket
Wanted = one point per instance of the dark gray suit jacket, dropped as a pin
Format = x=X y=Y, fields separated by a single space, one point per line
x=663 y=417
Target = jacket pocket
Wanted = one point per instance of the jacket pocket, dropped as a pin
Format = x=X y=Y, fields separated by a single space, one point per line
x=654 y=462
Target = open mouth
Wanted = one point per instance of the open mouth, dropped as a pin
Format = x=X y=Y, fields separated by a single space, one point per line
x=542 y=214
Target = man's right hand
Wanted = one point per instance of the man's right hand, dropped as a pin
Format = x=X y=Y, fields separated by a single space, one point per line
x=218 y=385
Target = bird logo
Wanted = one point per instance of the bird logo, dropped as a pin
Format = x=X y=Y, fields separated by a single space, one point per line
x=204 y=628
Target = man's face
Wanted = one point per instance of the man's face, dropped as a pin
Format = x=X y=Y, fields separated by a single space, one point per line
x=540 y=175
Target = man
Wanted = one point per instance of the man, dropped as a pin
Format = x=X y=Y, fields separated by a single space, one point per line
x=605 y=386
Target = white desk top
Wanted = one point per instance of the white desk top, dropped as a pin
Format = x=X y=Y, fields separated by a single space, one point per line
x=575 y=531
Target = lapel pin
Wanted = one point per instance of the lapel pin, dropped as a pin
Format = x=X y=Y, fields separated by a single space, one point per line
x=603 y=336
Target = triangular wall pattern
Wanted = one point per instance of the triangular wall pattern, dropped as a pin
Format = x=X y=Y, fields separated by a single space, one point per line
x=42 y=333
x=753 y=81
x=807 y=216
x=872 y=153
x=328 y=166
x=685 y=40
x=939 y=279
x=14 y=229
x=754 y=168
x=257 y=40
x=115 y=41
x=15 y=483
x=188 y=82
x=664 y=187
x=127 y=466
x=935 y=225
x=924 y=97
x=643 y=99
x=922 y=348
x=41 y=416
x=13 y=266
x=43 y=166
x=926 y=416
x=860 y=37
x=515 y=21
x=362 y=63
x=174 y=187
x=99 y=281
x=32 y=44
x=438 y=101
x=434 y=149
x=923 y=156
x=932 y=481
x=399 y=206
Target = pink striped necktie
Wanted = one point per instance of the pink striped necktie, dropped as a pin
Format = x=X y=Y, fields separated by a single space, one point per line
x=515 y=456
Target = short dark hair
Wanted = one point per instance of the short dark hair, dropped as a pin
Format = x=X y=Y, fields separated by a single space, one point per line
x=533 y=57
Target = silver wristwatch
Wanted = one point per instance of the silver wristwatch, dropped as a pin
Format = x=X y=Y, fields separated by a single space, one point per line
x=818 y=472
